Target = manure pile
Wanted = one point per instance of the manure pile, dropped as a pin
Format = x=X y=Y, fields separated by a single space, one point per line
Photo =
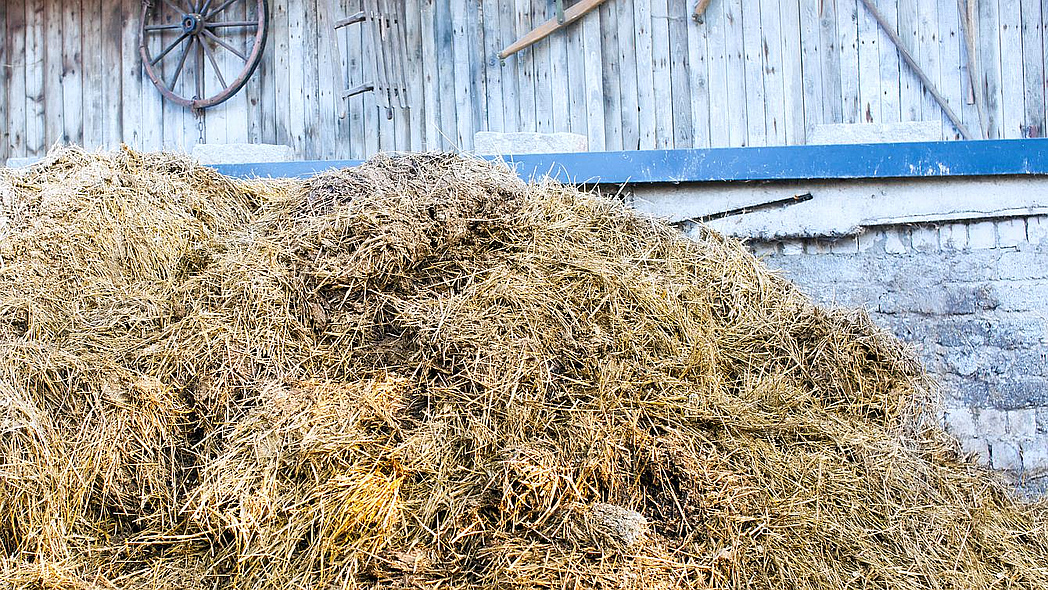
x=423 y=373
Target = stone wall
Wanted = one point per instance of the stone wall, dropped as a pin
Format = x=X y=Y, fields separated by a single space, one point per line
x=973 y=298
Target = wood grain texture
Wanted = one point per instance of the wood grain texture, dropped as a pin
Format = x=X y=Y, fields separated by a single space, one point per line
x=1033 y=68
x=5 y=83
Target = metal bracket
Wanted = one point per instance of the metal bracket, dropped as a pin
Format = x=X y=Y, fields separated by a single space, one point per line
x=560 y=12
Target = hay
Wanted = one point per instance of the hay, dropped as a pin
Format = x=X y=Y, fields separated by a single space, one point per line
x=424 y=373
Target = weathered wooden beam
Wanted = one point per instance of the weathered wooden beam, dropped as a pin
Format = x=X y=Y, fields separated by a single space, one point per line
x=966 y=12
x=905 y=53
x=571 y=14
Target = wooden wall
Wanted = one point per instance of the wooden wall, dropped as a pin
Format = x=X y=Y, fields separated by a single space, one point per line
x=633 y=74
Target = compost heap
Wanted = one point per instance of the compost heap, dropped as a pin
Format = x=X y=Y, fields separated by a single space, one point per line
x=423 y=372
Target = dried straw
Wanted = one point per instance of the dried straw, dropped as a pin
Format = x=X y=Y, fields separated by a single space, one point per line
x=424 y=373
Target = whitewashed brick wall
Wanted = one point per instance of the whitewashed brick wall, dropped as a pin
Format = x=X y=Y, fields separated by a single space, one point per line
x=972 y=296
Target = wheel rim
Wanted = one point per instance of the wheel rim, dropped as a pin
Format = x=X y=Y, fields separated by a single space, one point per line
x=199 y=53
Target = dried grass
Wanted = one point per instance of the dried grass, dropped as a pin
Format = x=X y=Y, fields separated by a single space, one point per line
x=424 y=373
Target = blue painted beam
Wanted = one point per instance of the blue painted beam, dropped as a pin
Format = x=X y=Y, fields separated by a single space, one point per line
x=881 y=160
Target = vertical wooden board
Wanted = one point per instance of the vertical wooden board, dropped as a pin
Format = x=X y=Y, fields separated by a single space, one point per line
x=5 y=81
x=541 y=10
x=171 y=114
x=216 y=119
x=278 y=38
x=594 y=83
x=525 y=60
x=928 y=43
x=576 y=81
x=950 y=58
x=909 y=85
x=772 y=31
x=792 y=71
x=328 y=82
x=833 y=99
x=715 y=22
x=132 y=111
x=680 y=81
x=889 y=64
x=630 y=115
x=413 y=49
x=753 y=71
x=267 y=73
x=356 y=74
x=14 y=73
x=112 y=73
x=297 y=110
x=1013 y=110
x=1033 y=68
x=443 y=37
x=430 y=76
x=252 y=92
x=374 y=126
x=507 y=17
x=558 y=69
x=477 y=66
x=698 y=82
x=54 y=117
x=152 y=131
x=462 y=78
x=35 y=43
x=988 y=42
x=496 y=118
x=848 y=43
x=609 y=43
x=969 y=111
x=311 y=80
x=812 y=56
x=737 y=100
x=869 y=67
x=645 y=73
x=662 y=85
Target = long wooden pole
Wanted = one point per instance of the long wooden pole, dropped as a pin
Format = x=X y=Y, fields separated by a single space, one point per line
x=905 y=53
x=966 y=12
x=571 y=14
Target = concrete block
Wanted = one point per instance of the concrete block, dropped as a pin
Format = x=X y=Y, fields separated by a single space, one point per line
x=991 y=423
x=1006 y=455
x=960 y=423
x=982 y=235
x=792 y=247
x=1035 y=456
x=977 y=449
x=971 y=265
x=1022 y=423
x=764 y=248
x=897 y=240
x=963 y=361
x=870 y=240
x=494 y=143
x=1022 y=296
x=1011 y=232
x=846 y=245
x=1023 y=264
x=241 y=153
x=925 y=238
x=817 y=246
x=1042 y=420
x=953 y=236
x=22 y=162
x=1037 y=229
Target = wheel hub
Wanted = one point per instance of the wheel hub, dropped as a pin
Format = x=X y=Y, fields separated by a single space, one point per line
x=192 y=23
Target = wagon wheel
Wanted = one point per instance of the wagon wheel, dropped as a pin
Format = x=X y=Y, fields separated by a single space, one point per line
x=184 y=42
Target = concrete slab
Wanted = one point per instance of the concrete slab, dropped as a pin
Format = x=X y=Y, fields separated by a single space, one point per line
x=506 y=144
x=241 y=153
x=910 y=131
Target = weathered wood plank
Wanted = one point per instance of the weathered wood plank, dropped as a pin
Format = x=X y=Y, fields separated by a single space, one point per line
x=525 y=69
x=698 y=84
x=281 y=74
x=253 y=92
x=413 y=49
x=460 y=50
x=629 y=111
x=15 y=43
x=738 y=132
x=833 y=101
x=591 y=48
x=356 y=74
x=443 y=33
x=35 y=43
x=5 y=83
x=1013 y=111
x=477 y=65
x=112 y=73
x=663 y=89
x=297 y=109
x=131 y=68
x=792 y=71
x=507 y=17
x=753 y=69
x=928 y=44
x=541 y=52
x=678 y=18
x=772 y=30
x=812 y=65
x=430 y=76
x=645 y=73
x=715 y=20
x=889 y=64
x=909 y=86
x=989 y=49
x=848 y=44
x=1033 y=67
x=558 y=56
x=609 y=39
x=267 y=83
x=54 y=116
x=950 y=60
x=576 y=81
x=496 y=117
x=869 y=68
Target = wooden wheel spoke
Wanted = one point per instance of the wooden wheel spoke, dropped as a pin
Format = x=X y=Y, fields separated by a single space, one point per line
x=168 y=49
x=203 y=9
x=214 y=64
x=232 y=23
x=167 y=27
x=200 y=71
x=221 y=7
x=182 y=61
x=234 y=50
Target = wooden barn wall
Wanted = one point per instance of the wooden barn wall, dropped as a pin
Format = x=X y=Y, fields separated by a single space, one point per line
x=634 y=74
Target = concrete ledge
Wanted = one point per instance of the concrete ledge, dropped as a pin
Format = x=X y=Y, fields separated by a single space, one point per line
x=241 y=153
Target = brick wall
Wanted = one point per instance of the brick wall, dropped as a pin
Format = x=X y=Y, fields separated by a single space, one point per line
x=973 y=298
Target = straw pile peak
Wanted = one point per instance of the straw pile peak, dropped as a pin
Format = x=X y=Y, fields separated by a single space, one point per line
x=423 y=372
